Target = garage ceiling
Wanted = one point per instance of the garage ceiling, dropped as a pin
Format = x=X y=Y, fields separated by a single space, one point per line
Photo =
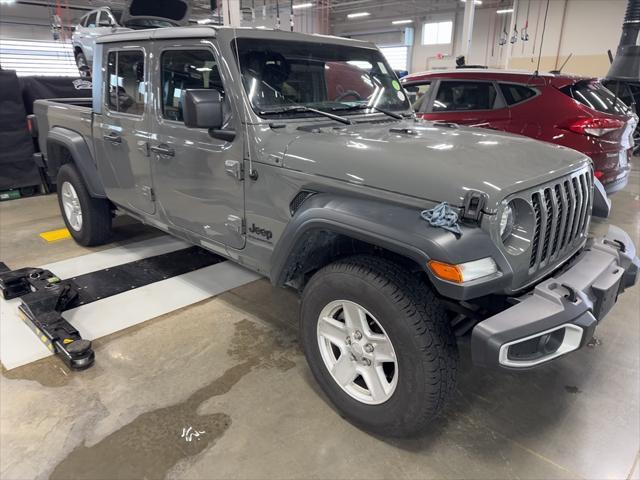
x=378 y=9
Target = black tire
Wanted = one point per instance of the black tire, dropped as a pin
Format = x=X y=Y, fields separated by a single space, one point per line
x=83 y=65
x=415 y=322
x=95 y=228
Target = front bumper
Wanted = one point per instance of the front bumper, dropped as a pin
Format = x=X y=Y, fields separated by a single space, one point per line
x=561 y=313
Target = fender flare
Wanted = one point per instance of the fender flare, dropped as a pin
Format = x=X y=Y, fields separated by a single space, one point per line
x=81 y=156
x=391 y=226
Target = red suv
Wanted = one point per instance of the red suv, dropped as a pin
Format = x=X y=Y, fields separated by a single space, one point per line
x=575 y=112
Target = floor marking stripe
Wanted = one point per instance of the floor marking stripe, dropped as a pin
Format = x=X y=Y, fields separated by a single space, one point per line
x=56 y=235
x=130 y=252
x=19 y=346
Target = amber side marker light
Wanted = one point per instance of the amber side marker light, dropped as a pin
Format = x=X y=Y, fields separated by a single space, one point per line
x=445 y=271
x=464 y=272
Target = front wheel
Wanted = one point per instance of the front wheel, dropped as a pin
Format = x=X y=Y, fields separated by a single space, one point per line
x=378 y=343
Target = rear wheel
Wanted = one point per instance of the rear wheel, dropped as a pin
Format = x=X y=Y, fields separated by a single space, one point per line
x=88 y=219
x=378 y=342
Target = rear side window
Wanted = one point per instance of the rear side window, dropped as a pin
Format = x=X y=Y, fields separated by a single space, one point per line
x=595 y=96
x=91 y=19
x=125 y=77
x=460 y=96
x=516 y=93
x=183 y=70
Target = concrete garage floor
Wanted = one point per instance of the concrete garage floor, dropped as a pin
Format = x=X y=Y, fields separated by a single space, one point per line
x=231 y=367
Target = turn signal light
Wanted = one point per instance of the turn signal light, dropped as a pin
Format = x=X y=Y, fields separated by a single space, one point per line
x=446 y=271
x=595 y=127
x=464 y=272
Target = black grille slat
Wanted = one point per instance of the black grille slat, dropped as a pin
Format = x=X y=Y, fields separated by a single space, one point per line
x=568 y=189
x=536 y=237
x=559 y=216
x=548 y=224
x=554 y=221
x=582 y=179
x=578 y=209
x=564 y=213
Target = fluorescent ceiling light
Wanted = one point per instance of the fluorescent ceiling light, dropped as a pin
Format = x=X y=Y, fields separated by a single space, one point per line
x=506 y=10
x=358 y=15
x=261 y=27
x=303 y=5
x=7 y=1
x=401 y=22
x=476 y=2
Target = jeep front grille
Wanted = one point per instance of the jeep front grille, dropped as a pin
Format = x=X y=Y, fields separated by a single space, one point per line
x=561 y=211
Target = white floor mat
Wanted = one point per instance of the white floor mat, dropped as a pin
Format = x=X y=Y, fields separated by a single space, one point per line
x=19 y=346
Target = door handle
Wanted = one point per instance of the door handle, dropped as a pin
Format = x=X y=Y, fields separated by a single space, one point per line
x=164 y=150
x=113 y=138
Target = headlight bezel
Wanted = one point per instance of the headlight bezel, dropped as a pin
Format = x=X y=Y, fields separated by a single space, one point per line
x=517 y=239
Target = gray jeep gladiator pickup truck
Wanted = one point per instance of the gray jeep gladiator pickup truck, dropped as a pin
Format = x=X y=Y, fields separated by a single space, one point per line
x=298 y=157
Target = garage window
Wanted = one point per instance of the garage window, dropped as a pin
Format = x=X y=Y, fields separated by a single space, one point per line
x=125 y=77
x=460 y=96
x=437 y=33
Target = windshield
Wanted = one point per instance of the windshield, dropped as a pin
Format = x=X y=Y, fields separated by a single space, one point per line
x=333 y=78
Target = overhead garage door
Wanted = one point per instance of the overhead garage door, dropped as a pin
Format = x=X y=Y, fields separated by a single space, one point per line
x=37 y=58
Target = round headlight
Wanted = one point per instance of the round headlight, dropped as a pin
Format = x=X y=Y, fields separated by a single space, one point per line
x=506 y=222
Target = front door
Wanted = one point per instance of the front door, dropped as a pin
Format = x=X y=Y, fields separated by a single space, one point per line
x=122 y=140
x=197 y=177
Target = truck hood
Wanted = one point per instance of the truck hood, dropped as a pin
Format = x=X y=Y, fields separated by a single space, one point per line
x=430 y=161
x=175 y=12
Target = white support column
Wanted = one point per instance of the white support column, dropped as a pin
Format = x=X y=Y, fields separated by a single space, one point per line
x=467 y=27
x=507 y=57
x=231 y=13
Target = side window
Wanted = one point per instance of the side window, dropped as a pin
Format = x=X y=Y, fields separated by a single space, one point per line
x=461 y=96
x=417 y=94
x=91 y=20
x=103 y=19
x=183 y=70
x=125 y=77
x=516 y=93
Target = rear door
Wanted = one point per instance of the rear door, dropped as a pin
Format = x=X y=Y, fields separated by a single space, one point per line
x=122 y=131
x=196 y=175
x=474 y=103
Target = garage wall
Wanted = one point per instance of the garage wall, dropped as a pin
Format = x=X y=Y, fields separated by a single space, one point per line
x=28 y=21
x=586 y=28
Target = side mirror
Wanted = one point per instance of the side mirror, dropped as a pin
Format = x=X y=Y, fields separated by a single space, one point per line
x=202 y=108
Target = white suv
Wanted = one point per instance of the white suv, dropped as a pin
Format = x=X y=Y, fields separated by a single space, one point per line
x=138 y=15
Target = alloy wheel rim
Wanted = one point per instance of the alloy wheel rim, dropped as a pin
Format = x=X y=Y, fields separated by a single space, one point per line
x=357 y=352
x=71 y=206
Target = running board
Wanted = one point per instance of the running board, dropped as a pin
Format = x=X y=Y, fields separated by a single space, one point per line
x=45 y=296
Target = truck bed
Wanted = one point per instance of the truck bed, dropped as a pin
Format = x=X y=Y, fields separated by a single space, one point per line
x=69 y=113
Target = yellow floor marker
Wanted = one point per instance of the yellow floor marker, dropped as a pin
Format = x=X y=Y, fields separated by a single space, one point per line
x=55 y=235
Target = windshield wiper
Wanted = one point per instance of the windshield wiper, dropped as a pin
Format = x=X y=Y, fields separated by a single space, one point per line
x=397 y=116
x=303 y=109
